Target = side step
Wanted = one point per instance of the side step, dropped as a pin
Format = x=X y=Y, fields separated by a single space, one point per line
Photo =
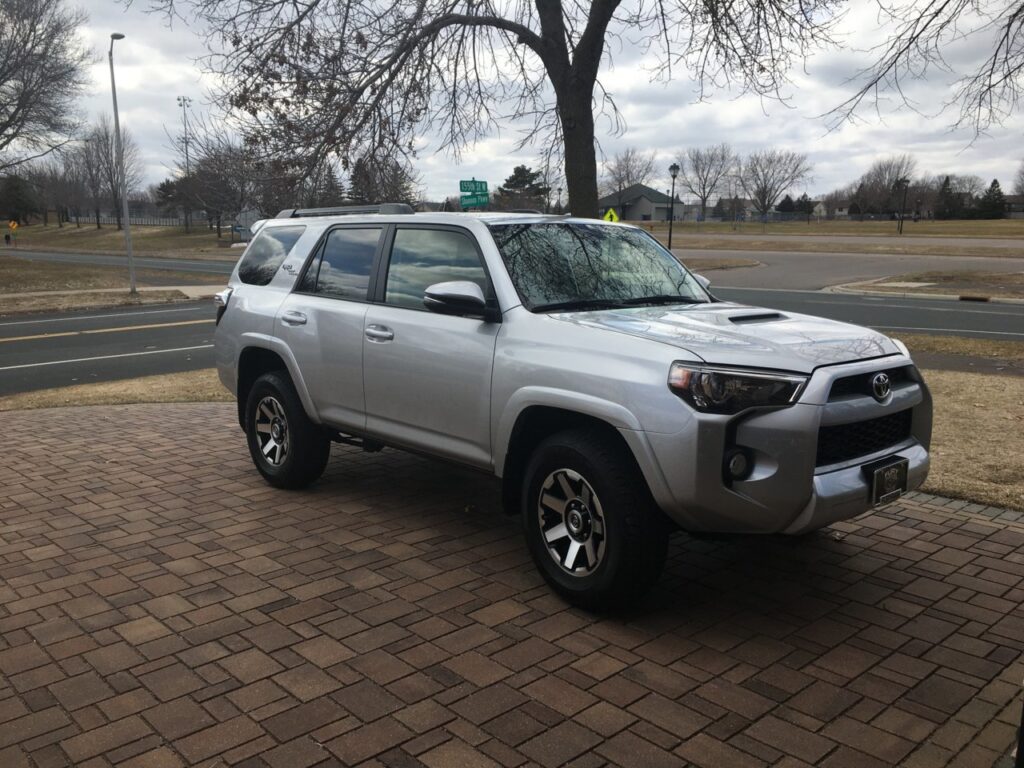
x=367 y=444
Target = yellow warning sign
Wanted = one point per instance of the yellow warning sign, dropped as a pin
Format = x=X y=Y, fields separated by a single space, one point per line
x=12 y=224
x=611 y=215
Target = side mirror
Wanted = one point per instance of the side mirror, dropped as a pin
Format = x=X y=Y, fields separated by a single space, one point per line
x=458 y=297
x=703 y=281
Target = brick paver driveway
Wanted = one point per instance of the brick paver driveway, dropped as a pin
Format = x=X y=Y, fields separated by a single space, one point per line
x=160 y=605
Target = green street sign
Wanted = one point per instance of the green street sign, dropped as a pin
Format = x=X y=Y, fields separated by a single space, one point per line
x=474 y=201
x=473 y=187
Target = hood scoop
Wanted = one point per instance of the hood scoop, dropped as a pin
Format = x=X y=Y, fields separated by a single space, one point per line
x=756 y=317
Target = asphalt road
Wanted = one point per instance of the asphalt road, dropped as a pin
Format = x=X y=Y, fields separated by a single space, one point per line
x=55 y=350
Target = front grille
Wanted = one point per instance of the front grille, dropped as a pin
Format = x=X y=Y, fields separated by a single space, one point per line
x=860 y=384
x=843 y=442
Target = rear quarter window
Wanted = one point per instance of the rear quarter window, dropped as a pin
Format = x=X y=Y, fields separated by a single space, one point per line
x=266 y=253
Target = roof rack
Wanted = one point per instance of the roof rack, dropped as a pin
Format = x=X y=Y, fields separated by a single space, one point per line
x=345 y=210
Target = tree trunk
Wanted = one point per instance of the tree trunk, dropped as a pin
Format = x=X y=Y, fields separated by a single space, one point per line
x=98 y=226
x=575 y=110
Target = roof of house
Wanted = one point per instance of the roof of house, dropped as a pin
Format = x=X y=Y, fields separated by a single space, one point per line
x=631 y=194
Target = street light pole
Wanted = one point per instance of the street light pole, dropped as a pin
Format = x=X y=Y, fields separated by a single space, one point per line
x=120 y=162
x=674 y=170
x=184 y=102
x=559 y=201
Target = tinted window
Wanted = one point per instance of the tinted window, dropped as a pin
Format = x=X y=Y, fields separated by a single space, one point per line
x=342 y=268
x=266 y=253
x=422 y=257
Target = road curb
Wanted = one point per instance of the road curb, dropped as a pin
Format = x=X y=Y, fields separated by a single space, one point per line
x=855 y=289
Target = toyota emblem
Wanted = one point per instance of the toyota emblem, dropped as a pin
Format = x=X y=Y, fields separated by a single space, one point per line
x=880 y=386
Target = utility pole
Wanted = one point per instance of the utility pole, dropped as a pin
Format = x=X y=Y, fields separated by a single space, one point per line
x=185 y=102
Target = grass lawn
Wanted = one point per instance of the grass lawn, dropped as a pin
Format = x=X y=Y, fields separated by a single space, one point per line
x=146 y=241
x=1000 y=228
x=992 y=284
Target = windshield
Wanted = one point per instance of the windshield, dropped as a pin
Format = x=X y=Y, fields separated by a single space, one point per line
x=579 y=265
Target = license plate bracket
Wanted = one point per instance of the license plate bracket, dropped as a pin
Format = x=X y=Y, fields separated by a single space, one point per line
x=888 y=479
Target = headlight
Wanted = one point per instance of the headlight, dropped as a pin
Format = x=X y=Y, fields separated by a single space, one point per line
x=724 y=390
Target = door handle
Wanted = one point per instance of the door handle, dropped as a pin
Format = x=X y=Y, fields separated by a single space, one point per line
x=291 y=317
x=379 y=333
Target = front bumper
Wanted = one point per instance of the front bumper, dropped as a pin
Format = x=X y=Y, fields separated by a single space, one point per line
x=793 y=486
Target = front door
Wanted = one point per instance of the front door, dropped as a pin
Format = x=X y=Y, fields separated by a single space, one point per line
x=427 y=377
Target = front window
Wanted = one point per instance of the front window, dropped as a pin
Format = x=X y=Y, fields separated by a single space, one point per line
x=582 y=265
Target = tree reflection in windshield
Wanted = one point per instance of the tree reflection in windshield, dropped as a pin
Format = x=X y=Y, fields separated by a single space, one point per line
x=556 y=263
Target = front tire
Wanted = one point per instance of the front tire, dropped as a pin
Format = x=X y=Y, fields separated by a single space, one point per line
x=591 y=526
x=288 y=449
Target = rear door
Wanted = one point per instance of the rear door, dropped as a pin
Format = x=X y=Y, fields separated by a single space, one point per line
x=322 y=322
x=428 y=376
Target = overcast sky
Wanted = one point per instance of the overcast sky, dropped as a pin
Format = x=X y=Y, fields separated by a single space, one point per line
x=156 y=63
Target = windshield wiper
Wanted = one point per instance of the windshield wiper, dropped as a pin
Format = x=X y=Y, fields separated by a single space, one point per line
x=662 y=299
x=579 y=304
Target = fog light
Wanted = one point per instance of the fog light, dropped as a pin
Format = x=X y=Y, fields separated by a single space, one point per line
x=737 y=465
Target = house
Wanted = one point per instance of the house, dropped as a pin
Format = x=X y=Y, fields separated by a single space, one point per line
x=1014 y=206
x=638 y=202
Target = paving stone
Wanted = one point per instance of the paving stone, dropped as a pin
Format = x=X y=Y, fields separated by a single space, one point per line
x=168 y=613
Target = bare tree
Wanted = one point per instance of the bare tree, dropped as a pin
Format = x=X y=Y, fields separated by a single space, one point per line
x=704 y=170
x=626 y=169
x=42 y=73
x=767 y=174
x=345 y=76
x=877 y=187
x=1018 y=180
x=103 y=147
x=922 y=31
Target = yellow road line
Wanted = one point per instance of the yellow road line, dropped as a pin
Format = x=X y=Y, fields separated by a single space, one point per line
x=103 y=330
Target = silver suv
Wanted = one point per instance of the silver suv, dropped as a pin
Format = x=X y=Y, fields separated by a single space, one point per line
x=576 y=360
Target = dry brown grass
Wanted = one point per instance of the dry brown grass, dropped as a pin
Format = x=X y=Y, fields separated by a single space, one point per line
x=1010 y=351
x=21 y=276
x=191 y=387
x=1002 y=285
x=146 y=241
x=59 y=302
x=999 y=228
x=707 y=265
x=977 y=440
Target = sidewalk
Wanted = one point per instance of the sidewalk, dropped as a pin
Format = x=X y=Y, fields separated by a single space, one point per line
x=161 y=605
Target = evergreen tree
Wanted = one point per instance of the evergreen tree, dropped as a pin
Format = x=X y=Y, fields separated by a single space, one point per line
x=721 y=209
x=947 y=204
x=805 y=205
x=786 y=206
x=993 y=202
x=374 y=180
x=525 y=188
x=18 y=200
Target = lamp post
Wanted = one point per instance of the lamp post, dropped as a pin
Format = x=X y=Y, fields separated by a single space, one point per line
x=559 y=203
x=674 y=170
x=904 y=183
x=184 y=102
x=120 y=164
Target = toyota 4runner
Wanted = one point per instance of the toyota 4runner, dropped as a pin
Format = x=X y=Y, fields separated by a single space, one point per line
x=576 y=360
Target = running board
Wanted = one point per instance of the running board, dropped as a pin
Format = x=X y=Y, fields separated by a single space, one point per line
x=367 y=444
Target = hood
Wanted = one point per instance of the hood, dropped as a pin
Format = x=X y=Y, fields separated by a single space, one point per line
x=738 y=335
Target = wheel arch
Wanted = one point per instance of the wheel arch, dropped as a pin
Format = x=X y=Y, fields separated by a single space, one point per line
x=535 y=422
x=256 y=360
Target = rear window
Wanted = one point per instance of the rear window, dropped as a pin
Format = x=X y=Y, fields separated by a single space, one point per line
x=266 y=253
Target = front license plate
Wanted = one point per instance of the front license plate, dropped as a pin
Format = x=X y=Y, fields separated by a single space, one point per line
x=888 y=480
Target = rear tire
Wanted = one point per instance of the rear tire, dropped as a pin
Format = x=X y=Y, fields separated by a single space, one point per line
x=288 y=449
x=591 y=525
